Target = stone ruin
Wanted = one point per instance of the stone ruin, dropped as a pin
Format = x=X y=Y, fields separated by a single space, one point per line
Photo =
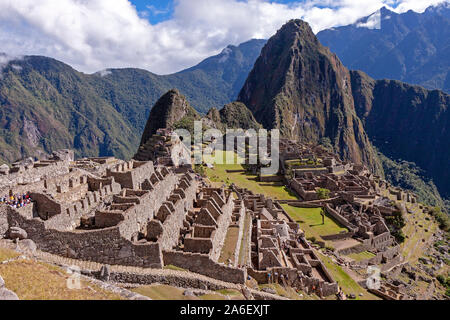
x=357 y=200
x=279 y=251
x=152 y=214
x=165 y=148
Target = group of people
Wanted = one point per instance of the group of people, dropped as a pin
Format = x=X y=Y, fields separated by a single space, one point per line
x=16 y=201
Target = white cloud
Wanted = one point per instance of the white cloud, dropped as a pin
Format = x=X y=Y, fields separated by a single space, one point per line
x=94 y=35
x=372 y=22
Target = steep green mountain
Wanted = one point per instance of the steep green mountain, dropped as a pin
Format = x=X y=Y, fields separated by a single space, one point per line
x=45 y=104
x=234 y=115
x=217 y=80
x=409 y=176
x=168 y=111
x=300 y=87
x=407 y=122
x=411 y=47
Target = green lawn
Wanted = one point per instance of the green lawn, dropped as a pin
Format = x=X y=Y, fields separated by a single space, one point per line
x=310 y=221
x=219 y=176
x=361 y=256
x=229 y=245
x=243 y=251
x=347 y=284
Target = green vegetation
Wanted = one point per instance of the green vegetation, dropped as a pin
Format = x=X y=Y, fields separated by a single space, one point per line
x=442 y=218
x=165 y=292
x=323 y=193
x=310 y=220
x=235 y=173
x=361 y=256
x=347 y=284
x=445 y=281
x=171 y=267
x=229 y=245
x=396 y=222
x=162 y=292
x=418 y=231
x=103 y=114
x=199 y=169
x=408 y=176
x=6 y=254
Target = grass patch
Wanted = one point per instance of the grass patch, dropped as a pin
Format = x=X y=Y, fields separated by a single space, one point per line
x=219 y=176
x=310 y=221
x=171 y=267
x=243 y=251
x=6 y=254
x=361 y=256
x=38 y=281
x=229 y=292
x=348 y=285
x=229 y=245
x=163 y=292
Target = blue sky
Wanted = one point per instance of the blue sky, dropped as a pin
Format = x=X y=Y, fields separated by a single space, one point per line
x=155 y=10
x=161 y=10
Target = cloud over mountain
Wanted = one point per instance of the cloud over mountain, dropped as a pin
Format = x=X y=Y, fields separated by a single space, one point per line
x=92 y=35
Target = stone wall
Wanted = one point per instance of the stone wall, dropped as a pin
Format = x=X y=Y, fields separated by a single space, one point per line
x=174 y=221
x=339 y=236
x=241 y=224
x=131 y=174
x=202 y=264
x=220 y=234
x=138 y=216
x=340 y=218
x=106 y=246
x=3 y=220
x=271 y=178
x=33 y=175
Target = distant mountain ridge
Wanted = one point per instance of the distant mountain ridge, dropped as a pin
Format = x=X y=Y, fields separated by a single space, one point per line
x=46 y=104
x=411 y=47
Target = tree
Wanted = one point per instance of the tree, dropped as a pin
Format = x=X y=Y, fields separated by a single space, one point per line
x=323 y=193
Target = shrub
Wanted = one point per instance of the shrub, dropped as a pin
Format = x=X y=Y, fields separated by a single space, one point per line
x=311 y=239
x=441 y=217
x=441 y=279
x=323 y=193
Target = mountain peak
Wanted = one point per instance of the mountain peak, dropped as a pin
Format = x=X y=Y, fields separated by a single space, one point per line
x=301 y=88
x=168 y=110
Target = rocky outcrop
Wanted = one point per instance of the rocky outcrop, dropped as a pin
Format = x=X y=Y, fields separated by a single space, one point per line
x=6 y=294
x=234 y=115
x=300 y=87
x=170 y=109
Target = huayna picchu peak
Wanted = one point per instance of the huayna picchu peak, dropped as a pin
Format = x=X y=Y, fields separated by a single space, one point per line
x=300 y=87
